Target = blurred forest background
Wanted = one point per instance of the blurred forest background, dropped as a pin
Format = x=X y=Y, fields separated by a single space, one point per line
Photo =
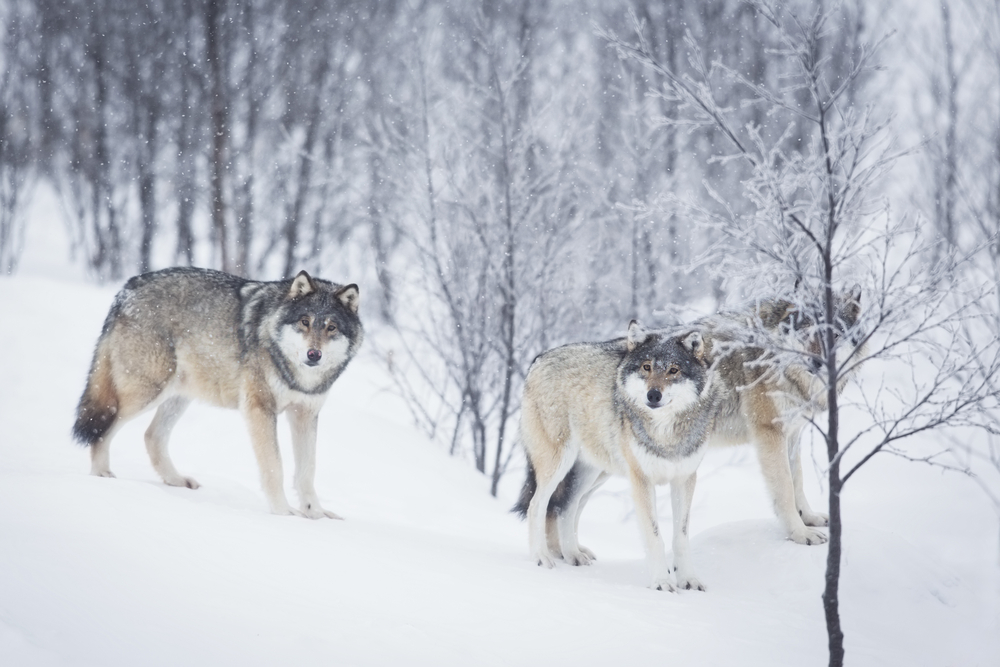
x=491 y=173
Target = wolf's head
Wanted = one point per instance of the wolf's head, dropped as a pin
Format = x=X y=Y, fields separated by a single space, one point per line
x=318 y=328
x=790 y=319
x=661 y=369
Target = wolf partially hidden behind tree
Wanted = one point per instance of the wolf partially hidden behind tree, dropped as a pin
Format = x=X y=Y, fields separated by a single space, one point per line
x=770 y=362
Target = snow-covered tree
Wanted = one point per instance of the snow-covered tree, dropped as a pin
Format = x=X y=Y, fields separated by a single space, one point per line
x=816 y=225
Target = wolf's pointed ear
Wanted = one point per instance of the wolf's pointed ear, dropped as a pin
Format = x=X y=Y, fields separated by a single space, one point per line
x=350 y=297
x=301 y=286
x=694 y=344
x=854 y=294
x=636 y=335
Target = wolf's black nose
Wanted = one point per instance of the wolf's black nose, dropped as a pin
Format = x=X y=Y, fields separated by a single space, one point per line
x=653 y=396
x=314 y=356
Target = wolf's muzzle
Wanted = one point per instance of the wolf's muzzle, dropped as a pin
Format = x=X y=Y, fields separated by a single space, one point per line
x=653 y=396
x=313 y=357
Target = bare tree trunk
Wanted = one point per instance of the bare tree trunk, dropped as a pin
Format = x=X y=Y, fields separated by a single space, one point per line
x=377 y=192
x=946 y=216
x=478 y=431
x=293 y=222
x=15 y=150
x=184 y=252
x=107 y=260
x=831 y=593
x=245 y=221
x=508 y=288
x=220 y=130
x=376 y=218
x=147 y=185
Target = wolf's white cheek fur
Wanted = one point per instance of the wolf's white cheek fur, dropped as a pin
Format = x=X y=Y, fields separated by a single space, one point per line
x=335 y=352
x=680 y=395
x=636 y=389
x=293 y=345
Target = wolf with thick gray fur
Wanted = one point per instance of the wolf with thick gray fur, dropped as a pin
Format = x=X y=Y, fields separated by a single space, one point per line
x=640 y=407
x=263 y=348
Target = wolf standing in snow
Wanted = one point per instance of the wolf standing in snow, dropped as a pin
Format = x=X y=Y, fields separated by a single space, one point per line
x=768 y=399
x=261 y=347
x=640 y=407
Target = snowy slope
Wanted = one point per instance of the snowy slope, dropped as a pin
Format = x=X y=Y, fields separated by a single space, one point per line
x=427 y=568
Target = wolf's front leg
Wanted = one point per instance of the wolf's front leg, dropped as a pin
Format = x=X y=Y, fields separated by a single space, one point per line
x=809 y=517
x=261 y=421
x=772 y=452
x=681 y=493
x=644 y=495
x=303 y=422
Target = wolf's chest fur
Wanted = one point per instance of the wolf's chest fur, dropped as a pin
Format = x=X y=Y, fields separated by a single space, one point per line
x=667 y=441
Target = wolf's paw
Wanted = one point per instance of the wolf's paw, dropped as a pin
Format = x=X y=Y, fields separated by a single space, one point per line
x=182 y=481
x=807 y=536
x=285 y=510
x=578 y=558
x=663 y=584
x=689 y=583
x=588 y=553
x=102 y=473
x=544 y=559
x=815 y=518
x=314 y=511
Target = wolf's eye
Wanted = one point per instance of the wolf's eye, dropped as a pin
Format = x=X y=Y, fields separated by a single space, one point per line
x=647 y=367
x=304 y=321
x=331 y=328
x=673 y=370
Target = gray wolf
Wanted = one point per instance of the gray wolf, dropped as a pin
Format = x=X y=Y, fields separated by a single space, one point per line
x=768 y=396
x=263 y=348
x=641 y=407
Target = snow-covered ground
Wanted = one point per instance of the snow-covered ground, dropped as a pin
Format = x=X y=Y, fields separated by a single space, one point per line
x=427 y=568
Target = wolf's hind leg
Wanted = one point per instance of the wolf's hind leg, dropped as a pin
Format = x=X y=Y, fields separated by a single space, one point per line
x=127 y=408
x=100 y=455
x=157 y=437
x=548 y=476
x=579 y=511
x=587 y=479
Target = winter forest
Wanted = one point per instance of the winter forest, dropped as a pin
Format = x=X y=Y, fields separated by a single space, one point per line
x=505 y=176
x=505 y=165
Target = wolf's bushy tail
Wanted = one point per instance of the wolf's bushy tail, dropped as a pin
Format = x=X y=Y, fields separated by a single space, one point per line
x=520 y=508
x=560 y=497
x=98 y=408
